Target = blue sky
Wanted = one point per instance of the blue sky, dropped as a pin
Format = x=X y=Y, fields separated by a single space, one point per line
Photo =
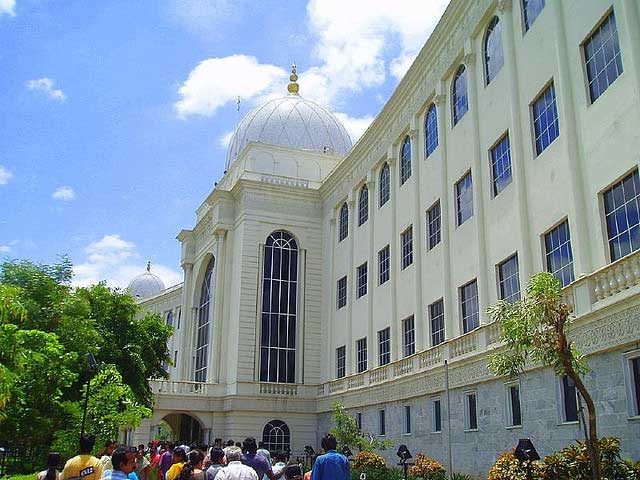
x=114 y=115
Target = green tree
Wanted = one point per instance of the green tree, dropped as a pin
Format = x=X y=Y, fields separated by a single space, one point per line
x=535 y=330
x=346 y=431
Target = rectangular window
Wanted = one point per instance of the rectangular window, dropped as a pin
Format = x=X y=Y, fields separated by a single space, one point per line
x=383 y=265
x=500 y=165
x=175 y=358
x=622 y=215
x=436 y=415
x=341 y=355
x=407 y=419
x=341 y=293
x=359 y=421
x=436 y=315
x=469 y=306
x=545 y=119
x=406 y=241
x=362 y=280
x=508 y=279
x=635 y=382
x=531 y=9
x=384 y=346
x=559 y=257
x=569 y=400
x=471 y=411
x=602 y=57
x=382 y=423
x=361 y=349
x=179 y=318
x=464 y=199
x=408 y=336
x=514 y=414
x=433 y=225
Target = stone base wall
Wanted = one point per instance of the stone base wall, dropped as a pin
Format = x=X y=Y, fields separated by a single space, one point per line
x=474 y=452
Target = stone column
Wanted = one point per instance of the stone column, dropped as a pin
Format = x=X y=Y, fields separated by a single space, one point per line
x=478 y=183
x=525 y=261
x=631 y=19
x=219 y=294
x=184 y=345
x=331 y=308
x=421 y=331
x=351 y=285
x=580 y=229
x=394 y=255
x=371 y=273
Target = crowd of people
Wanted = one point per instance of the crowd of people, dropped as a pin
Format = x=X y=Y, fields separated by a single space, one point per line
x=248 y=460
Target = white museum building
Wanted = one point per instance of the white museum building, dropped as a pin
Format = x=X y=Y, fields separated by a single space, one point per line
x=320 y=271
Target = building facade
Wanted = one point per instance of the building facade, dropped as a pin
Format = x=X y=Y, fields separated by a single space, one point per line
x=318 y=271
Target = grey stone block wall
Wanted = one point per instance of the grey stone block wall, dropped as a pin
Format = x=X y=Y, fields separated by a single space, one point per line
x=474 y=452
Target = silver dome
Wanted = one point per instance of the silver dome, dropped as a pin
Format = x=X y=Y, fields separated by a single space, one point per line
x=292 y=122
x=146 y=285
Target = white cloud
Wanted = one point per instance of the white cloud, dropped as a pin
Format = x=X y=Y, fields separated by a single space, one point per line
x=45 y=85
x=5 y=175
x=8 y=7
x=206 y=17
x=225 y=139
x=117 y=261
x=355 y=126
x=5 y=249
x=66 y=194
x=217 y=81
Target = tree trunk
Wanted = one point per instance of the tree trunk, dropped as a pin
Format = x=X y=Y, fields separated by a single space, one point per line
x=593 y=444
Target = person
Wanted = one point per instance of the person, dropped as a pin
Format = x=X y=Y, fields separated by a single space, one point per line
x=124 y=464
x=235 y=470
x=192 y=470
x=179 y=459
x=257 y=462
x=84 y=466
x=281 y=459
x=293 y=472
x=167 y=460
x=230 y=443
x=51 y=473
x=332 y=465
x=217 y=462
x=142 y=464
x=105 y=454
x=265 y=453
x=154 y=464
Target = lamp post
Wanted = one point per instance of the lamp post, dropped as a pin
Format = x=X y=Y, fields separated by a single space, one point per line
x=93 y=368
x=404 y=454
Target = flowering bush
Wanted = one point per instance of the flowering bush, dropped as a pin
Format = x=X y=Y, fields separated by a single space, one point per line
x=508 y=467
x=370 y=463
x=427 y=468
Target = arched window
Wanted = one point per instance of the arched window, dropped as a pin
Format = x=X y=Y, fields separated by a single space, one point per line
x=202 y=330
x=459 y=100
x=343 y=225
x=276 y=436
x=279 y=309
x=170 y=318
x=363 y=205
x=493 y=56
x=405 y=161
x=431 y=130
x=385 y=185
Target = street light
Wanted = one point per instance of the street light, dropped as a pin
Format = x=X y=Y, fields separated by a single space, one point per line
x=404 y=454
x=93 y=368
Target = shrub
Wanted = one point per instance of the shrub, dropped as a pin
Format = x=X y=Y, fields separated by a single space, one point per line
x=370 y=463
x=427 y=468
x=508 y=467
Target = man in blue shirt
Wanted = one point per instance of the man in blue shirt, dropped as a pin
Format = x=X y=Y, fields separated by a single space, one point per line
x=124 y=463
x=332 y=465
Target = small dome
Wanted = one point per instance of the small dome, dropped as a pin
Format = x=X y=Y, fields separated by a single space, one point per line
x=146 y=285
x=293 y=122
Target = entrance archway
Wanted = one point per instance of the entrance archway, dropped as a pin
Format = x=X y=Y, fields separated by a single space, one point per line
x=185 y=428
x=276 y=436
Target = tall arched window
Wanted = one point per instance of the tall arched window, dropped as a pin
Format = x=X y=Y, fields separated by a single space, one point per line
x=459 y=100
x=363 y=205
x=431 y=130
x=202 y=330
x=385 y=185
x=343 y=224
x=405 y=161
x=279 y=309
x=170 y=318
x=493 y=56
x=276 y=436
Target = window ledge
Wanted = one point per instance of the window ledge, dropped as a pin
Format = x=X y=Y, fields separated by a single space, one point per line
x=437 y=433
x=634 y=418
x=568 y=423
x=513 y=427
x=468 y=430
x=407 y=434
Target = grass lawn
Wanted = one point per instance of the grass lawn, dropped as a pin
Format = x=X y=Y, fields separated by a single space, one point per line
x=28 y=476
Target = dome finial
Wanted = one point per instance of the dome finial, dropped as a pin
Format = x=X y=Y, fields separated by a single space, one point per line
x=149 y=266
x=293 y=87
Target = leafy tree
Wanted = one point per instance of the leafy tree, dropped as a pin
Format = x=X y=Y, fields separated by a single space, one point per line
x=347 y=433
x=535 y=329
x=11 y=311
